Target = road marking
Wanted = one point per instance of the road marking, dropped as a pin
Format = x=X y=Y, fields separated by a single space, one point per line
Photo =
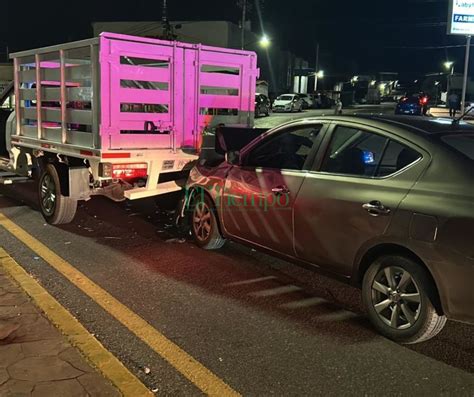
x=304 y=303
x=250 y=281
x=340 y=315
x=189 y=367
x=276 y=291
x=75 y=332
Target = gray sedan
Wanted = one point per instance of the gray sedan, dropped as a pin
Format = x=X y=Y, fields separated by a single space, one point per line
x=384 y=203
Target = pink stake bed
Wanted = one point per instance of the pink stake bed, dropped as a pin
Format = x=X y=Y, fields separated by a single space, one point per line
x=160 y=94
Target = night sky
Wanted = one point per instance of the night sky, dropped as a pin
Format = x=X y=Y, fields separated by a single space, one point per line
x=355 y=36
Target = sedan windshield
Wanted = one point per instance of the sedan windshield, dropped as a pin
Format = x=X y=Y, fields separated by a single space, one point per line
x=462 y=143
x=285 y=98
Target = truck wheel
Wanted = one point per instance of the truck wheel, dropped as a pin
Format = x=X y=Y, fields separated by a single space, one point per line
x=204 y=226
x=56 y=208
x=398 y=295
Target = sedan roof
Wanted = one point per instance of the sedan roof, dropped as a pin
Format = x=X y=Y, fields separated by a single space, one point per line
x=419 y=125
x=426 y=125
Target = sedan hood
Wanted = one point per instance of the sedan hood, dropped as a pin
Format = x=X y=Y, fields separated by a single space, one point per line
x=281 y=103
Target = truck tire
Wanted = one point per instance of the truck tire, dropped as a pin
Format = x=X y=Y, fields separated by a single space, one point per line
x=204 y=224
x=56 y=208
x=399 y=297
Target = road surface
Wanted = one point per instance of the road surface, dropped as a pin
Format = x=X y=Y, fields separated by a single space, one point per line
x=225 y=322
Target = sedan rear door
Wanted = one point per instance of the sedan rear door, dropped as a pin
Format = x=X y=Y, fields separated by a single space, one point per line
x=351 y=197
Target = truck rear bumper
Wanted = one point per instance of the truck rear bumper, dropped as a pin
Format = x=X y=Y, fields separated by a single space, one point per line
x=143 y=192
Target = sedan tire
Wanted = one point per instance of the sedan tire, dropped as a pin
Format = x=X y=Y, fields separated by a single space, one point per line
x=204 y=224
x=398 y=296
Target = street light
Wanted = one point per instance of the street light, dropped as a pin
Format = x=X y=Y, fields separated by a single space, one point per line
x=320 y=74
x=448 y=65
x=264 y=41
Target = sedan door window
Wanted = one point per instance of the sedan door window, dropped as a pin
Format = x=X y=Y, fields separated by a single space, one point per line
x=289 y=150
x=361 y=153
x=354 y=152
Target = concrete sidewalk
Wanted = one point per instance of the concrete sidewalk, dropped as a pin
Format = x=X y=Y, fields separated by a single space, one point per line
x=35 y=358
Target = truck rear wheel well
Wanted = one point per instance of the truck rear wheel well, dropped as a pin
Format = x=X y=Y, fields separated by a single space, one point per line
x=62 y=168
x=393 y=249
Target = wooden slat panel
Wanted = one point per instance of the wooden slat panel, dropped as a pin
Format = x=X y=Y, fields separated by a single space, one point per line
x=144 y=73
x=79 y=138
x=28 y=94
x=73 y=73
x=219 y=101
x=82 y=94
x=54 y=115
x=30 y=131
x=52 y=134
x=220 y=80
x=131 y=95
x=142 y=117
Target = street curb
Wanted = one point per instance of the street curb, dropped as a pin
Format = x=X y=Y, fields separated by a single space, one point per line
x=96 y=354
x=199 y=375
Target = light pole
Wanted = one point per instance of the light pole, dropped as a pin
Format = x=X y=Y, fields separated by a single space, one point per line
x=449 y=66
x=318 y=75
x=316 y=69
x=437 y=92
x=466 y=70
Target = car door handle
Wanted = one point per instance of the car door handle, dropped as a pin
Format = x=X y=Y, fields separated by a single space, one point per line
x=376 y=208
x=280 y=190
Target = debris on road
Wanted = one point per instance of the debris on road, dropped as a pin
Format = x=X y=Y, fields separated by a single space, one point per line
x=147 y=370
x=176 y=240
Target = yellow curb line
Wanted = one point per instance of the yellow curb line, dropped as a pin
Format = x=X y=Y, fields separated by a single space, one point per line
x=77 y=335
x=189 y=367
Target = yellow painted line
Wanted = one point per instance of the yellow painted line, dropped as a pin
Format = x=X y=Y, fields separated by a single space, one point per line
x=189 y=367
x=77 y=335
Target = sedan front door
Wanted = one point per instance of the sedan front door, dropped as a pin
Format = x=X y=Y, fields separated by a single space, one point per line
x=259 y=194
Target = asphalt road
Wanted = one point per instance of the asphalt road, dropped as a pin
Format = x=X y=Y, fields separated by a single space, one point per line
x=263 y=326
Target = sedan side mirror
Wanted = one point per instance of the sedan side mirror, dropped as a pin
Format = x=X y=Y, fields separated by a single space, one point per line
x=233 y=157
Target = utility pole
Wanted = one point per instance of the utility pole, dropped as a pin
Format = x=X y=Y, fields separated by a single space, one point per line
x=244 y=16
x=167 y=29
x=316 y=69
x=466 y=70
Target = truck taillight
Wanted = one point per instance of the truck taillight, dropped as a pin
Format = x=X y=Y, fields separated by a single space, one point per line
x=129 y=171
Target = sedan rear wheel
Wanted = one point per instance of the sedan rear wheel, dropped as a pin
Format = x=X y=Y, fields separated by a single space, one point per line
x=398 y=295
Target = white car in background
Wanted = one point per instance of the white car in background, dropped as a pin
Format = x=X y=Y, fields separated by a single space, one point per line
x=308 y=101
x=288 y=103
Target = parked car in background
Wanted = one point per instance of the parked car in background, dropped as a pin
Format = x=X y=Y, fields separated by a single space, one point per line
x=307 y=101
x=385 y=203
x=322 y=101
x=262 y=105
x=288 y=103
x=416 y=104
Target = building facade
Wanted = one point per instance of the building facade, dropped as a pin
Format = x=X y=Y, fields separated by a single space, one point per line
x=277 y=67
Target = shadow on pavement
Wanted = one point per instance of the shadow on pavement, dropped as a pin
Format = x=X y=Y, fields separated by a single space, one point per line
x=144 y=232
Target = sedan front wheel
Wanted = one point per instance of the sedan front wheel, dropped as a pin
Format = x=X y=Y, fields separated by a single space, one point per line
x=398 y=295
x=204 y=226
